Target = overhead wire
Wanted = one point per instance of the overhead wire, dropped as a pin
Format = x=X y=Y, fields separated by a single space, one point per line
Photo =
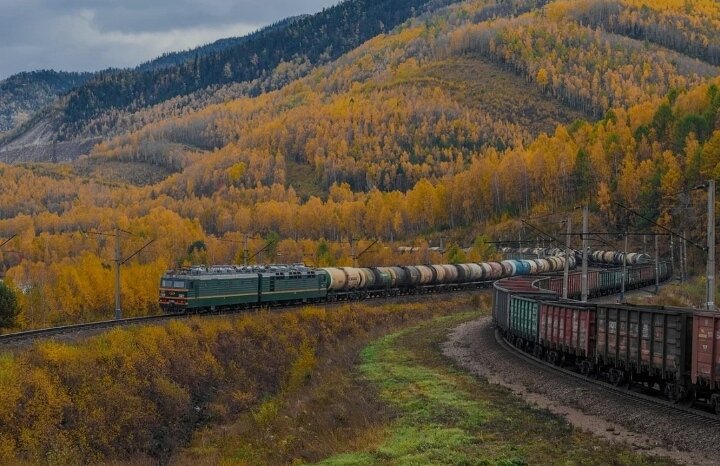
x=661 y=227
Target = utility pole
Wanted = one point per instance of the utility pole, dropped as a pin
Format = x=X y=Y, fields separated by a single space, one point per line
x=624 y=270
x=710 y=304
x=352 y=251
x=584 y=255
x=118 y=263
x=672 y=257
x=245 y=251
x=358 y=255
x=683 y=265
x=567 y=259
x=657 y=266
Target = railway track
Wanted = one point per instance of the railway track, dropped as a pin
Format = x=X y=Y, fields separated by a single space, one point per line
x=637 y=397
x=51 y=332
x=38 y=334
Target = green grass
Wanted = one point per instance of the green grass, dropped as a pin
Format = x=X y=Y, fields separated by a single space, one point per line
x=445 y=416
x=689 y=294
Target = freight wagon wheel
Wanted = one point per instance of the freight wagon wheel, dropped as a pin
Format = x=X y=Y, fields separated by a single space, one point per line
x=674 y=392
x=616 y=377
x=585 y=368
x=552 y=358
x=537 y=351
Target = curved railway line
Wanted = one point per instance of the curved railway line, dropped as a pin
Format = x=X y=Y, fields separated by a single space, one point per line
x=242 y=289
x=498 y=270
x=39 y=334
x=656 y=355
x=409 y=296
x=636 y=397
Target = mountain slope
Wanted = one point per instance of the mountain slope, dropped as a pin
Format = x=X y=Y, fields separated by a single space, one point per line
x=23 y=94
x=305 y=42
x=416 y=104
x=171 y=59
x=445 y=126
x=396 y=110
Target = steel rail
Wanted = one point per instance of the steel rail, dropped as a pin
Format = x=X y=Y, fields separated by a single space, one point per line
x=99 y=325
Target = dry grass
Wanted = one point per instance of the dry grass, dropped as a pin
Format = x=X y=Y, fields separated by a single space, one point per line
x=331 y=412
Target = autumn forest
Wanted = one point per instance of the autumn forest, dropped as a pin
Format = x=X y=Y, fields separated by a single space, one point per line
x=447 y=127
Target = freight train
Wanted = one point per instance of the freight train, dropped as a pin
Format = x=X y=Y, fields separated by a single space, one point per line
x=203 y=289
x=673 y=351
x=595 y=257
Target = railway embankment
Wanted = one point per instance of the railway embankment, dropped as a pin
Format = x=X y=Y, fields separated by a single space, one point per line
x=472 y=345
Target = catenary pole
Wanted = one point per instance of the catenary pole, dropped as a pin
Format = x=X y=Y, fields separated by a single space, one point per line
x=245 y=251
x=657 y=266
x=584 y=283
x=710 y=303
x=118 y=260
x=672 y=257
x=683 y=266
x=566 y=271
x=624 y=270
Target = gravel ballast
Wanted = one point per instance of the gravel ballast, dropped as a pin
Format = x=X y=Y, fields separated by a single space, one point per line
x=473 y=347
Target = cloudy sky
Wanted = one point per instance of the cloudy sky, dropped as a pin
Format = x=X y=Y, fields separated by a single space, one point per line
x=88 y=35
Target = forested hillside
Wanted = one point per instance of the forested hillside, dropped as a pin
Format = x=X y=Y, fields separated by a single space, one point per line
x=296 y=46
x=451 y=125
x=170 y=59
x=23 y=94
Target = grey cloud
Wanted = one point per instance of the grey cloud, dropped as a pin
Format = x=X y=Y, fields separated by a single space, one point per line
x=86 y=35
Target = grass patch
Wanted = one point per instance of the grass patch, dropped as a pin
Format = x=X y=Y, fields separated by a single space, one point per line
x=445 y=416
x=326 y=407
x=398 y=401
x=688 y=294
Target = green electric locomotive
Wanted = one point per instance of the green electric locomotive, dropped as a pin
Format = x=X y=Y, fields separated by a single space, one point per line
x=200 y=289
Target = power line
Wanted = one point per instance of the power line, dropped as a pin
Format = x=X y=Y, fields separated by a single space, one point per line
x=551 y=237
x=137 y=252
x=689 y=190
x=598 y=238
x=8 y=240
x=636 y=233
x=661 y=227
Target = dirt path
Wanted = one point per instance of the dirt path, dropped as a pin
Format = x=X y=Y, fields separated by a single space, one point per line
x=473 y=347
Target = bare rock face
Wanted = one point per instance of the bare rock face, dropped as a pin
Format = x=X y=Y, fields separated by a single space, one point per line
x=36 y=141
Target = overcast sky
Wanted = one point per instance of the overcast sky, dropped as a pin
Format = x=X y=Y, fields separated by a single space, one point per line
x=89 y=35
